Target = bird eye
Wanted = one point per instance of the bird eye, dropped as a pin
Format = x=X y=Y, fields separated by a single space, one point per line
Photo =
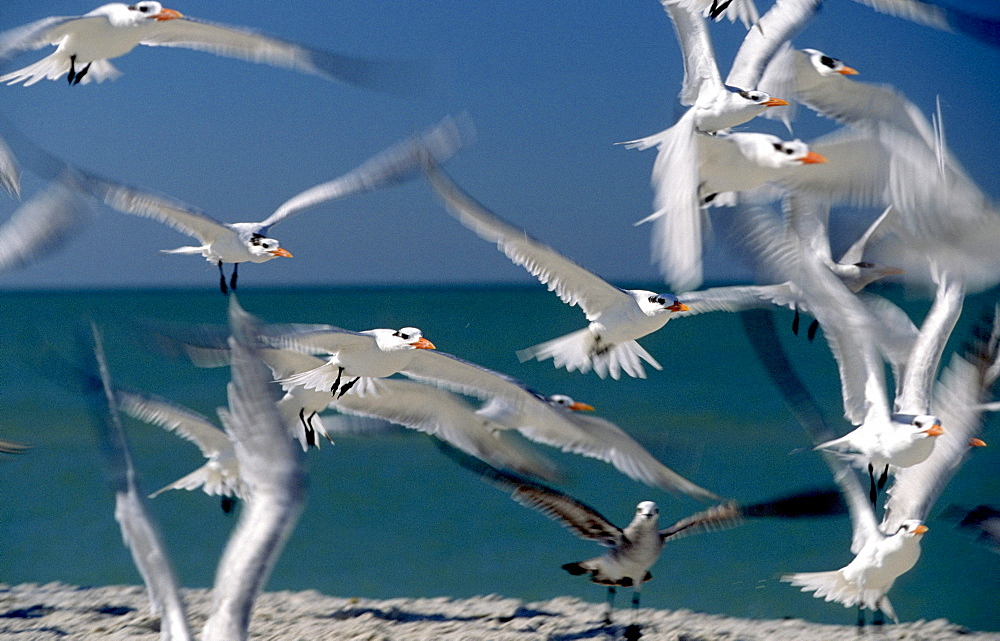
x=789 y=151
x=827 y=61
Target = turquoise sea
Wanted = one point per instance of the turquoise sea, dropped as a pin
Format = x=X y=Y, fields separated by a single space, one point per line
x=391 y=516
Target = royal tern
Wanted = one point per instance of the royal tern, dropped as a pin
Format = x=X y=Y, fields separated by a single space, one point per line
x=139 y=530
x=693 y=171
x=634 y=549
x=248 y=242
x=617 y=317
x=271 y=465
x=888 y=549
x=564 y=423
x=555 y=421
x=786 y=18
x=84 y=44
x=220 y=475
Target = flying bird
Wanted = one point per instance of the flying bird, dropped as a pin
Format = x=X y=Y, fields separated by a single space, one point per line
x=617 y=317
x=85 y=44
x=248 y=241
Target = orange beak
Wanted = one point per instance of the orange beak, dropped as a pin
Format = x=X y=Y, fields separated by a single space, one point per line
x=280 y=252
x=847 y=71
x=168 y=14
x=920 y=529
x=812 y=158
x=423 y=343
x=891 y=271
x=975 y=442
x=581 y=407
x=934 y=430
x=775 y=102
x=678 y=307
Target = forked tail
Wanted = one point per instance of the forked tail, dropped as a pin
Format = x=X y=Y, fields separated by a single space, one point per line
x=582 y=351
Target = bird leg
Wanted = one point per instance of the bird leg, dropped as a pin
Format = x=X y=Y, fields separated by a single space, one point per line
x=310 y=432
x=336 y=383
x=873 y=492
x=81 y=74
x=811 y=334
x=232 y=279
x=222 y=280
x=228 y=504
x=795 y=322
x=348 y=386
x=878 y=618
x=611 y=604
x=885 y=476
x=861 y=619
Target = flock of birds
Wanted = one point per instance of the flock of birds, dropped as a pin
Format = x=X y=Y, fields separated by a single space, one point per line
x=888 y=156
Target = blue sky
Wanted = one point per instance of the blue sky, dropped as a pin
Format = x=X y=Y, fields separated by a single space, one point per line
x=550 y=87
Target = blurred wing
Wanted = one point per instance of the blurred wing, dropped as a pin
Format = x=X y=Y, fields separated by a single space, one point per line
x=139 y=531
x=572 y=283
x=10 y=173
x=271 y=465
x=739 y=298
x=743 y=10
x=44 y=223
x=171 y=212
x=701 y=73
x=778 y=25
x=963 y=386
x=459 y=375
x=245 y=44
x=582 y=519
x=444 y=416
x=595 y=437
x=925 y=357
x=175 y=418
x=41 y=33
x=392 y=166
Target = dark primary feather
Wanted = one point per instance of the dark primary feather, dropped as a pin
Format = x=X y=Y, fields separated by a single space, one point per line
x=587 y=522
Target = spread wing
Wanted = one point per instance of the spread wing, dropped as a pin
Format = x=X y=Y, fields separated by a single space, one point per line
x=572 y=283
x=249 y=45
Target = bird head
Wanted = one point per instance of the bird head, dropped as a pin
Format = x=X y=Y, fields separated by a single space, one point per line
x=788 y=153
x=761 y=98
x=266 y=248
x=561 y=400
x=927 y=425
x=827 y=66
x=911 y=527
x=647 y=510
x=411 y=338
x=652 y=303
x=154 y=11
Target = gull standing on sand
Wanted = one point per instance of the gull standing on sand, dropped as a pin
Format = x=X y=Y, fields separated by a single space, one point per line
x=617 y=317
x=84 y=44
x=247 y=241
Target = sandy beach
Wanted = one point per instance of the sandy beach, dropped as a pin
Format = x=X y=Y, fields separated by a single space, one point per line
x=32 y=612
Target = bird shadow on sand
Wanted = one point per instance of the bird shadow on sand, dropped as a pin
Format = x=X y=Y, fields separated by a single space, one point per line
x=405 y=616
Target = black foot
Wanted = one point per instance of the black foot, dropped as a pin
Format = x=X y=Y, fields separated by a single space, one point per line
x=81 y=74
x=336 y=383
x=71 y=76
x=228 y=504
x=885 y=477
x=222 y=281
x=232 y=279
x=795 y=322
x=873 y=492
x=811 y=334
x=346 y=388
x=632 y=632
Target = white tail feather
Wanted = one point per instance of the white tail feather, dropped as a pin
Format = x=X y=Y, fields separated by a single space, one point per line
x=57 y=66
x=832 y=586
x=579 y=351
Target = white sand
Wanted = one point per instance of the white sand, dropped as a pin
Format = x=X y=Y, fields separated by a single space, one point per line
x=31 y=612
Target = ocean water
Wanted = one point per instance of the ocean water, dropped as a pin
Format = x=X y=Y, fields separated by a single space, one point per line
x=391 y=516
